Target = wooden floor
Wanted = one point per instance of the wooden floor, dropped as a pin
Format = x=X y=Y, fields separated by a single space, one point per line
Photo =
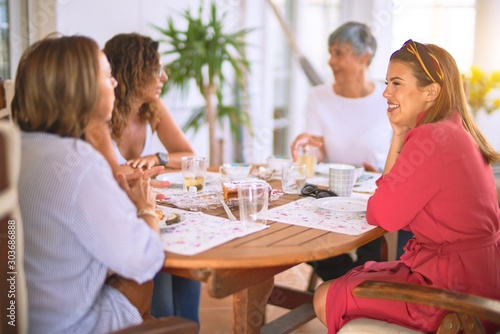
x=216 y=314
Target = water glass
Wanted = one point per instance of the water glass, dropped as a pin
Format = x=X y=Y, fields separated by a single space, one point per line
x=293 y=178
x=194 y=170
x=253 y=197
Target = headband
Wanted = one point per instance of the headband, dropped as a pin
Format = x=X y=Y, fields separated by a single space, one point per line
x=427 y=60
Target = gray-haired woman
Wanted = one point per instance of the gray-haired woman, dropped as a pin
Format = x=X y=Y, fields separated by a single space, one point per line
x=347 y=120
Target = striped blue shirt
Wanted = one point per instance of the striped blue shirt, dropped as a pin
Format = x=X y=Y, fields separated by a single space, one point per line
x=79 y=224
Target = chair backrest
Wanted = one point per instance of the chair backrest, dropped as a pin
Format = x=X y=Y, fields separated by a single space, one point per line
x=8 y=87
x=14 y=293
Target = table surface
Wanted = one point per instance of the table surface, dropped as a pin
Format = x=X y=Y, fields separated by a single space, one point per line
x=280 y=244
x=245 y=267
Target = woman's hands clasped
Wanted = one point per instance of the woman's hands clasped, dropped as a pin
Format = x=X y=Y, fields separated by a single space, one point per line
x=139 y=190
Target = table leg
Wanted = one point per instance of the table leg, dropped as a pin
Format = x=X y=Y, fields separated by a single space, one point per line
x=249 y=307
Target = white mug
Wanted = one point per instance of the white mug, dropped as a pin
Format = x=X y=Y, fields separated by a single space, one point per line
x=342 y=179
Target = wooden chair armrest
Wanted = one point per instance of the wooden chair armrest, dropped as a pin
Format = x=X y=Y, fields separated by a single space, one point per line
x=165 y=325
x=455 y=301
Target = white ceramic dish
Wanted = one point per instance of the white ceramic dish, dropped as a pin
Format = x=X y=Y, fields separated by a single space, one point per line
x=342 y=204
x=178 y=180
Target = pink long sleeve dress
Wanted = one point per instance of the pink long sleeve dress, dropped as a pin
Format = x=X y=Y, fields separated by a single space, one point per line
x=441 y=189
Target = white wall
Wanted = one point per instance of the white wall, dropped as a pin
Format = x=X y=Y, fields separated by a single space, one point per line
x=102 y=20
x=488 y=59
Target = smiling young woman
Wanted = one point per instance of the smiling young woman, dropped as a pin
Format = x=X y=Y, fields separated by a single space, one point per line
x=437 y=183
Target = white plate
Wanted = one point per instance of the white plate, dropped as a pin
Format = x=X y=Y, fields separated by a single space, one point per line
x=169 y=211
x=342 y=204
x=177 y=178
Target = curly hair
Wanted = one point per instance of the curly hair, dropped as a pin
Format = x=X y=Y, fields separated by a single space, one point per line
x=134 y=61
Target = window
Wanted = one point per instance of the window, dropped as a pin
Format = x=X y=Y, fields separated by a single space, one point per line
x=447 y=23
x=4 y=41
x=311 y=22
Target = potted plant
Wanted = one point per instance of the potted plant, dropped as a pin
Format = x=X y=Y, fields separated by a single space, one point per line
x=483 y=96
x=201 y=51
x=481 y=88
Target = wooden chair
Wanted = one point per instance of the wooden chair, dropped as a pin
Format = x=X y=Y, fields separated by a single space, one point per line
x=11 y=235
x=166 y=325
x=465 y=309
x=299 y=302
x=14 y=298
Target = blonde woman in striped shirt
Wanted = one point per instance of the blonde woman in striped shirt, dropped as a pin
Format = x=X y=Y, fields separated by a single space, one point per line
x=78 y=224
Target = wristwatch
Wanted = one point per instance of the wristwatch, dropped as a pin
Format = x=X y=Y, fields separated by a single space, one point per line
x=163 y=157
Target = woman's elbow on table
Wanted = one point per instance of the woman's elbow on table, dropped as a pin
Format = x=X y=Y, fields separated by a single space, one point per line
x=383 y=218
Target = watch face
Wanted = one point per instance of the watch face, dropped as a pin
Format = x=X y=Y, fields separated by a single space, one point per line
x=163 y=158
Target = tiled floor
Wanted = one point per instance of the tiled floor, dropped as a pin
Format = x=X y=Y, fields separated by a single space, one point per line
x=216 y=314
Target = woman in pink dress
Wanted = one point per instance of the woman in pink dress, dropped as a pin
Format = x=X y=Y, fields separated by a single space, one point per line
x=438 y=184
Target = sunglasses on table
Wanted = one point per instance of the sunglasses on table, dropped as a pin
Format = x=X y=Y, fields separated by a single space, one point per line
x=314 y=191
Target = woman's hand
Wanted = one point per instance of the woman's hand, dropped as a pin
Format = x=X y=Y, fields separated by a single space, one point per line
x=305 y=139
x=150 y=173
x=143 y=196
x=145 y=162
x=399 y=133
x=139 y=191
x=369 y=167
x=398 y=130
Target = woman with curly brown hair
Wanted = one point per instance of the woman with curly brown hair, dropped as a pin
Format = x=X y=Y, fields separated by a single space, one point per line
x=139 y=112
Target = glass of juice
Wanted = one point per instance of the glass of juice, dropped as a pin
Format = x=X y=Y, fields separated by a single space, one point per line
x=308 y=155
x=194 y=170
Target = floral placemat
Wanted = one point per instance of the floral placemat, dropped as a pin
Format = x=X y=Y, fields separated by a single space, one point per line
x=207 y=199
x=304 y=213
x=198 y=232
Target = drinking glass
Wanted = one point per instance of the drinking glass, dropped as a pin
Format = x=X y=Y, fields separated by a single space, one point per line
x=253 y=197
x=308 y=155
x=194 y=169
x=293 y=178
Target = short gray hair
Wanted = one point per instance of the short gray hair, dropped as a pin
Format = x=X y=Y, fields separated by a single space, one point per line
x=358 y=35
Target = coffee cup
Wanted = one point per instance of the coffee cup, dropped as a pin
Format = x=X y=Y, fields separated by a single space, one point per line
x=341 y=179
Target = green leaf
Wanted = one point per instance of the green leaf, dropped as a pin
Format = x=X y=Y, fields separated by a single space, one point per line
x=200 y=51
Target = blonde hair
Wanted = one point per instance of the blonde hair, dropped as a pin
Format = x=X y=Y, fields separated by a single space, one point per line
x=56 y=85
x=451 y=98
